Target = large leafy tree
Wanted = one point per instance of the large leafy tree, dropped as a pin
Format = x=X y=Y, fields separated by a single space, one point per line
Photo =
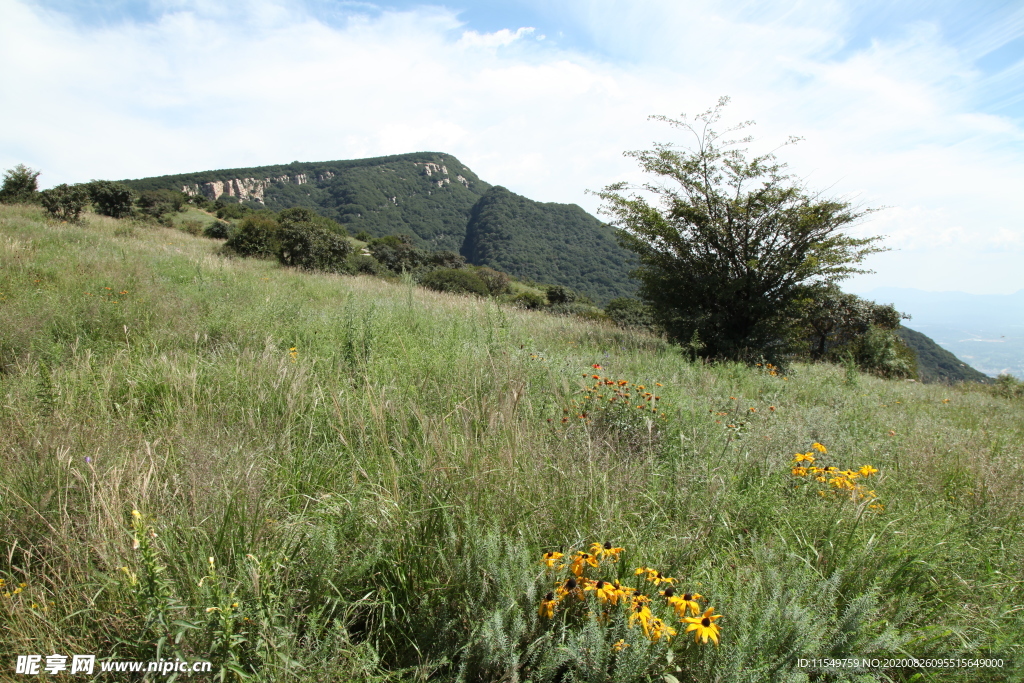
x=729 y=245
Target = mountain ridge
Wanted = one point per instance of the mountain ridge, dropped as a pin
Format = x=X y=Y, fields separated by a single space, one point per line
x=431 y=196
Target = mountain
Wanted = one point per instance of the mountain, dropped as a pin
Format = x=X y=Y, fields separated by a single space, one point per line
x=439 y=202
x=984 y=330
x=548 y=243
x=936 y=364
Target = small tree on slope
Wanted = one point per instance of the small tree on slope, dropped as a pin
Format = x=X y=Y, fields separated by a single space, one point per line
x=731 y=245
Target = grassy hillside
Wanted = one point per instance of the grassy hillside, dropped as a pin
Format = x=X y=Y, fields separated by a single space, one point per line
x=317 y=477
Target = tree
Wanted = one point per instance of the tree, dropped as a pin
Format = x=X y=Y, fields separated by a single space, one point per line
x=65 y=202
x=730 y=245
x=110 y=198
x=20 y=185
x=834 y=321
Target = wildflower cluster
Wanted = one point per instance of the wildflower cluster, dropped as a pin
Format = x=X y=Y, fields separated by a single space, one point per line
x=610 y=602
x=612 y=400
x=293 y=353
x=110 y=294
x=771 y=370
x=842 y=482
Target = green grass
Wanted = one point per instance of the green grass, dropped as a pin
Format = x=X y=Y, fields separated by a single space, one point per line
x=375 y=470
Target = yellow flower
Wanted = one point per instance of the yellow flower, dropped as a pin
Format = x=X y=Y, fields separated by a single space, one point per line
x=620 y=645
x=799 y=471
x=818 y=447
x=659 y=630
x=684 y=602
x=550 y=559
x=642 y=613
x=804 y=457
x=604 y=591
x=867 y=470
x=704 y=626
x=580 y=560
x=547 y=606
x=605 y=550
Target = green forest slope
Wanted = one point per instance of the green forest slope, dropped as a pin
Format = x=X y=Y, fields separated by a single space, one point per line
x=936 y=364
x=310 y=477
x=443 y=205
x=558 y=243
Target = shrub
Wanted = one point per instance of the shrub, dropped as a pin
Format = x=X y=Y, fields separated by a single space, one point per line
x=528 y=300
x=398 y=255
x=365 y=265
x=1008 y=386
x=192 y=227
x=881 y=352
x=110 y=198
x=232 y=210
x=446 y=259
x=626 y=312
x=20 y=185
x=255 y=235
x=218 y=230
x=65 y=202
x=159 y=202
x=557 y=294
x=456 y=281
x=495 y=280
x=311 y=247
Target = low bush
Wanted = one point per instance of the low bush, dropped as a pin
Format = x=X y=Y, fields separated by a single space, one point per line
x=311 y=247
x=455 y=280
x=528 y=300
x=65 y=202
x=496 y=281
x=20 y=185
x=362 y=264
x=255 y=235
x=111 y=199
x=218 y=230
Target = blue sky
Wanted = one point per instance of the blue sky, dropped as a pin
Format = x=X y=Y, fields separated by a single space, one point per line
x=917 y=107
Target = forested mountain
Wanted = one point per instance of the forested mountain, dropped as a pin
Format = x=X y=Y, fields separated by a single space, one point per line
x=550 y=242
x=936 y=364
x=439 y=202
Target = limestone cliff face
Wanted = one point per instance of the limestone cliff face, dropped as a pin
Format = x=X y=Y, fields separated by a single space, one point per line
x=246 y=189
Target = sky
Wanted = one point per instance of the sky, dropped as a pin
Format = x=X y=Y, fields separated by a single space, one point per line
x=916 y=108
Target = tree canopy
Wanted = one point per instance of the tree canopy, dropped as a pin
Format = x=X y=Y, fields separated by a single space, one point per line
x=729 y=245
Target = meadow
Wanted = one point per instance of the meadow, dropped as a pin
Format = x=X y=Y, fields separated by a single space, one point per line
x=310 y=477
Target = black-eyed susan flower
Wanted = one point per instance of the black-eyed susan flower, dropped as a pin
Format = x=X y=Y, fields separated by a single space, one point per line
x=867 y=470
x=641 y=612
x=605 y=592
x=704 y=626
x=685 y=601
x=551 y=560
x=620 y=645
x=547 y=606
x=818 y=447
x=580 y=560
x=659 y=630
x=605 y=550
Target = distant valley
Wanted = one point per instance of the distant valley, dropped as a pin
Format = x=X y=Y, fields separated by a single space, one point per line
x=984 y=330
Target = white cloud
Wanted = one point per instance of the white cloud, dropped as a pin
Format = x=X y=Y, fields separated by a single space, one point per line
x=497 y=39
x=204 y=86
